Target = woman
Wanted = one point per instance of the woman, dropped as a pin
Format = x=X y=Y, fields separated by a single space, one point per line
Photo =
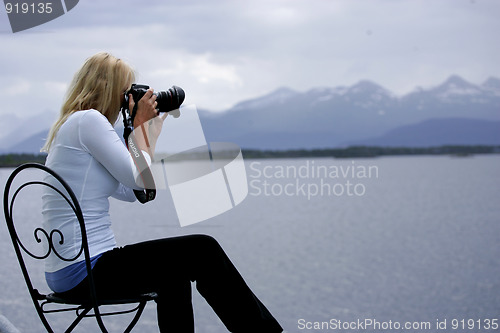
x=85 y=150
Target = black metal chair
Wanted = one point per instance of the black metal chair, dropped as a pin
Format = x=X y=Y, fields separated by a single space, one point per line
x=29 y=176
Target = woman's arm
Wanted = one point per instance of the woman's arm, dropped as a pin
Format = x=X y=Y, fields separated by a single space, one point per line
x=124 y=193
x=99 y=139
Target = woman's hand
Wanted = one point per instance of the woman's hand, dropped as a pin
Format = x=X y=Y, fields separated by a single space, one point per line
x=146 y=108
x=147 y=123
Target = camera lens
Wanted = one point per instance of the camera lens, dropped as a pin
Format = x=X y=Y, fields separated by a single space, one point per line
x=171 y=99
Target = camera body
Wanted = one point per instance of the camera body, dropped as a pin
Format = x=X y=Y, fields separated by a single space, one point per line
x=167 y=100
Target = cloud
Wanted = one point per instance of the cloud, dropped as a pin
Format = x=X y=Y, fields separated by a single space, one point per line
x=17 y=87
x=199 y=67
x=222 y=51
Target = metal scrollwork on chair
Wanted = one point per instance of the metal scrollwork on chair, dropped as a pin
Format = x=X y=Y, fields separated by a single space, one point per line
x=82 y=308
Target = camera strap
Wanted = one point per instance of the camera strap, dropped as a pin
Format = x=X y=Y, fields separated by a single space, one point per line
x=140 y=161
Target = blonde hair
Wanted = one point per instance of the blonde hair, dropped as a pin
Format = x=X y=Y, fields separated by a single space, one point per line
x=97 y=85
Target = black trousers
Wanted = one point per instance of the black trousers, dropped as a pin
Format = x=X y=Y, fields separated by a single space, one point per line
x=167 y=267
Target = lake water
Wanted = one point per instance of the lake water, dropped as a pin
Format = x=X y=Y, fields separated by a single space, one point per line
x=340 y=242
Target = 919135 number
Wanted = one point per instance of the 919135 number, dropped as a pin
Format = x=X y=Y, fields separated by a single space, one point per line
x=27 y=8
x=474 y=324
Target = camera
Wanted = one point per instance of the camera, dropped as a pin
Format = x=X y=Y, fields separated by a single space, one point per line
x=167 y=100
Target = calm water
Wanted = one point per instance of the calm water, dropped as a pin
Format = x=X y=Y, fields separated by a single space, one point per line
x=395 y=239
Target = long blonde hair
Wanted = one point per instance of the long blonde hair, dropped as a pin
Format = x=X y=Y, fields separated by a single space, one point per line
x=97 y=85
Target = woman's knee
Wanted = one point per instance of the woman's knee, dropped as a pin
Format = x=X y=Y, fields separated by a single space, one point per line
x=206 y=242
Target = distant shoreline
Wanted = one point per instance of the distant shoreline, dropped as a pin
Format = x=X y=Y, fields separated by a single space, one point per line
x=14 y=160
x=371 y=151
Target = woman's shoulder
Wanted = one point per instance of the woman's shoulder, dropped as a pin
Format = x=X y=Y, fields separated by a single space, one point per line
x=87 y=117
x=91 y=113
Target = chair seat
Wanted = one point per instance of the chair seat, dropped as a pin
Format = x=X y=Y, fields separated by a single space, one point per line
x=56 y=298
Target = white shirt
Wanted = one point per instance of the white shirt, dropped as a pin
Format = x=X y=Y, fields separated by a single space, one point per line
x=89 y=155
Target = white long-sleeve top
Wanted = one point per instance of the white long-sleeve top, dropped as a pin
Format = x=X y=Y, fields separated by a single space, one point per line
x=89 y=155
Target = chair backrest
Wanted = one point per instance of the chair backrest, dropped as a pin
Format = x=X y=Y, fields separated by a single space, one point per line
x=25 y=187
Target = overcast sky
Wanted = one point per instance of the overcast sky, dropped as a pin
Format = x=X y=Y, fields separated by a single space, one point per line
x=222 y=52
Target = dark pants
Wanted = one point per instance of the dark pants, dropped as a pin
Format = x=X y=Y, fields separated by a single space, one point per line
x=167 y=267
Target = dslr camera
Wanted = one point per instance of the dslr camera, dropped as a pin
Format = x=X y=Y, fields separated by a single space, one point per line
x=167 y=100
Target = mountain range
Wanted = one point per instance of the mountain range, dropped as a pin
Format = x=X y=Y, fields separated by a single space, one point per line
x=455 y=112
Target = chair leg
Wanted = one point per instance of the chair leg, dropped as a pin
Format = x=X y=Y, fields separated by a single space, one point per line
x=99 y=320
x=78 y=319
x=41 y=314
x=136 y=317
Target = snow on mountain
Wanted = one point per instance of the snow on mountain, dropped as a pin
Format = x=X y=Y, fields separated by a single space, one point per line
x=331 y=116
x=323 y=117
x=455 y=87
x=325 y=94
x=492 y=85
x=369 y=88
x=279 y=96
